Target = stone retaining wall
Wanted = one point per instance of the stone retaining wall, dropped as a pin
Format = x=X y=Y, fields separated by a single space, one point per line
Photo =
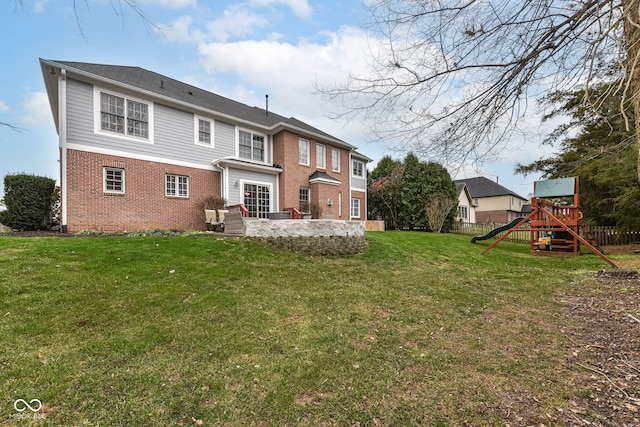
x=314 y=237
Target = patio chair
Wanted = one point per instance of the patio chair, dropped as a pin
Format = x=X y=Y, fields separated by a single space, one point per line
x=211 y=220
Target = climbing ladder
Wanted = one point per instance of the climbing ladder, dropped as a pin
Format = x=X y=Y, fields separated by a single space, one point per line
x=590 y=237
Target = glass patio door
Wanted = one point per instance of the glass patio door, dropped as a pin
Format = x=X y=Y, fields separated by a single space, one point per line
x=257 y=200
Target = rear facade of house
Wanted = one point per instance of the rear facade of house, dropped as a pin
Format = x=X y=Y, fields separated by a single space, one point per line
x=139 y=150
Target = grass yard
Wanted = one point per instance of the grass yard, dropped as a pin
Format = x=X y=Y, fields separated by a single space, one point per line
x=161 y=331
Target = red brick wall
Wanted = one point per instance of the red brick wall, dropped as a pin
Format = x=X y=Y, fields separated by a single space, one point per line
x=491 y=216
x=144 y=204
x=295 y=175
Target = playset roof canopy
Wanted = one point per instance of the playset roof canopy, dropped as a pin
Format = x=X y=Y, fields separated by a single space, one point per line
x=561 y=187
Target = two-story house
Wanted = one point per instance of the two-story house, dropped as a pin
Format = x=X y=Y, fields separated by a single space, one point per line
x=492 y=201
x=140 y=150
x=466 y=205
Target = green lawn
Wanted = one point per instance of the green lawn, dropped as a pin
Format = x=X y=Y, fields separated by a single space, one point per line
x=160 y=331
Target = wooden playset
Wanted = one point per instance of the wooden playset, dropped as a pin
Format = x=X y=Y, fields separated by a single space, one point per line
x=555 y=222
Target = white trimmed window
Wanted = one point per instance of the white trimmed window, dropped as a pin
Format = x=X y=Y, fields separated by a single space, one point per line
x=124 y=116
x=304 y=200
x=358 y=169
x=321 y=156
x=355 y=208
x=113 y=180
x=204 y=132
x=303 y=152
x=177 y=186
x=335 y=160
x=251 y=146
x=463 y=212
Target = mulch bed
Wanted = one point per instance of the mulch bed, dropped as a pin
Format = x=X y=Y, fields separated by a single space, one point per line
x=602 y=322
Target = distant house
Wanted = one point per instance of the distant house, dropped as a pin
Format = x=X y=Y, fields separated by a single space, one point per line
x=466 y=208
x=493 y=202
x=140 y=150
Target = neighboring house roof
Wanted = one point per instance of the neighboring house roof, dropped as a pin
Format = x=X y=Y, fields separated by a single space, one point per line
x=462 y=187
x=484 y=187
x=158 y=84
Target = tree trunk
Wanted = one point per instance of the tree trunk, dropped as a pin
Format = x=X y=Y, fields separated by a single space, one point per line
x=632 y=42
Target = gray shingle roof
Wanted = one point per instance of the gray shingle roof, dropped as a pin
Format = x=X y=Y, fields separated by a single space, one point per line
x=166 y=86
x=484 y=187
x=322 y=176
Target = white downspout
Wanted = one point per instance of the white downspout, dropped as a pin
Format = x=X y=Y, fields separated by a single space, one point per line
x=62 y=119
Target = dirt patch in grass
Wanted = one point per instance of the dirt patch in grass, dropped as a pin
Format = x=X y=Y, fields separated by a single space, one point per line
x=602 y=322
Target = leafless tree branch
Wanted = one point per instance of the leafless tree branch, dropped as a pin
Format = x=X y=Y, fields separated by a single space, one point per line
x=453 y=79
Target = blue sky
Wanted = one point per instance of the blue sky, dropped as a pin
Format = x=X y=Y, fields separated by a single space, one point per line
x=239 y=49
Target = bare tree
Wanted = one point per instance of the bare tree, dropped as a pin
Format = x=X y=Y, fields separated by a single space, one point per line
x=452 y=79
x=119 y=8
x=438 y=209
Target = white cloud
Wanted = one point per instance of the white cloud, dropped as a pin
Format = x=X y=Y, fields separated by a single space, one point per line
x=38 y=6
x=36 y=109
x=300 y=8
x=3 y=107
x=236 y=21
x=171 y=4
x=288 y=72
x=179 y=31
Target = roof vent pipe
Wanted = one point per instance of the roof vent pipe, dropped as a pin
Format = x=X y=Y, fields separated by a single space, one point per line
x=266 y=99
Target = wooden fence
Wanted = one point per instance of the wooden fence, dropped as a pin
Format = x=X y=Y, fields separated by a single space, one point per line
x=604 y=235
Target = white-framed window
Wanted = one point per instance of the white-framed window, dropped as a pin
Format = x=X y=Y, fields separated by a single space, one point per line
x=123 y=116
x=257 y=199
x=251 y=146
x=358 y=168
x=476 y=202
x=305 y=207
x=355 y=207
x=463 y=212
x=113 y=180
x=303 y=152
x=176 y=185
x=321 y=156
x=335 y=159
x=204 y=131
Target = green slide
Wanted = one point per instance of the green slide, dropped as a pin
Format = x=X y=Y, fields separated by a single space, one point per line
x=496 y=231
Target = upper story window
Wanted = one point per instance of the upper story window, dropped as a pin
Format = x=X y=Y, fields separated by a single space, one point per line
x=358 y=168
x=204 y=131
x=335 y=159
x=123 y=116
x=321 y=156
x=303 y=152
x=251 y=146
x=132 y=120
x=177 y=185
x=114 y=180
